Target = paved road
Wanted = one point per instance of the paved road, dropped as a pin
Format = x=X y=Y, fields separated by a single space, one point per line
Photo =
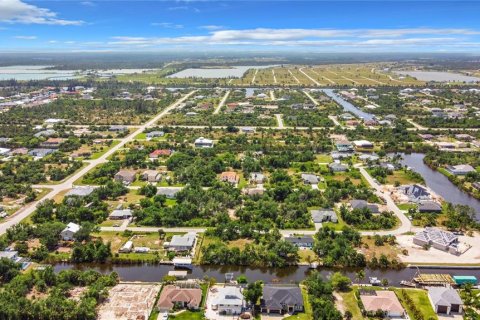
x=406 y=225
x=222 y=102
x=311 y=79
x=67 y=184
x=315 y=102
x=279 y=121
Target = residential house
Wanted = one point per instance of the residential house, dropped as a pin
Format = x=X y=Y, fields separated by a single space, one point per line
x=82 y=191
x=338 y=167
x=52 y=143
x=19 y=151
x=154 y=134
x=429 y=206
x=248 y=130
x=169 y=192
x=415 y=192
x=118 y=128
x=10 y=255
x=121 y=214
x=344 y=146
x=464 y=137
x=179 y=298
x=309 y=178
x=125 y=176
x=445 y=300
x=45 y=133
x=362 y=144
x=70 y=230
x=368 y=157
x=281 y=299
x=183 y=242
x=228 y=300
x=361 y=204
x=439 y=239
x=302 y=241
x=40 y=153
x=253 y=191
x=151 y=176
x=160 y=153
x=257 y=177
x=426 y=136
x=384 y=300
x=460 y=170
x=203 y=143
x=324 y=215
x=230 y=177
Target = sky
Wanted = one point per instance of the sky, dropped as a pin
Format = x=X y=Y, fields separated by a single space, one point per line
x=313 y=26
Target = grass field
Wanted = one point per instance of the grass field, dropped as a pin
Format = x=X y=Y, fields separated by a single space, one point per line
x=189 y=315
x=421 y=301
x=350 y=303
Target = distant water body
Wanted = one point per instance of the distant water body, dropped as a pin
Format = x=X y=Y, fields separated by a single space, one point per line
x=232 y=72
x=439 y=76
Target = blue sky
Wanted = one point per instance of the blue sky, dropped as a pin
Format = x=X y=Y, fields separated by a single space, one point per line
x=314 y=26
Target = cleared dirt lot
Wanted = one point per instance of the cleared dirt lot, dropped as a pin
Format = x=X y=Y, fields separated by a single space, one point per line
x=417 y=254
x=129 y=301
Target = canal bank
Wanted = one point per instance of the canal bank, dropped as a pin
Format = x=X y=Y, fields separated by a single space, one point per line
x=440 y=183
x=347 y=106
x=152 y=273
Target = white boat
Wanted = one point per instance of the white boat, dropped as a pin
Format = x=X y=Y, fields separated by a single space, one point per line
x=180 y=262
x=374 y=281
x=313 y=265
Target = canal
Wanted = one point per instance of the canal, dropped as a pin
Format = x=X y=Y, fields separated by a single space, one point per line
x=440 y=183
x=347 y=106
x=148 y=272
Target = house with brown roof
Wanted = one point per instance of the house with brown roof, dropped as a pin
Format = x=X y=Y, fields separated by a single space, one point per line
x=160 y=153
x=151 y=176
x=229 y=176
x=382 y=300
x=52 y=143
x=184 y=298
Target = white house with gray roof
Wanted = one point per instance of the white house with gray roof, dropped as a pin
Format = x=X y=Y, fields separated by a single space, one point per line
x=439 y=239
x=81 y=191
x=445 y=300
x=181 y=242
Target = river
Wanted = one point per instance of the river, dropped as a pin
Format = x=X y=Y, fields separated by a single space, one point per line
x=440 y=183
x=347 y=106
x=149 y=273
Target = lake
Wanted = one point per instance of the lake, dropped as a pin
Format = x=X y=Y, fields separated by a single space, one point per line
x=35 y=73
x=439 y=76
x=440 y=183
x=232 y=72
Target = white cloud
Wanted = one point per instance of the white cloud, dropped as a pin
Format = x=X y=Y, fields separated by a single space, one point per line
x=26 y=37
x=17 y=11
x=88 y=3
x=168 y=25
x=212 y=27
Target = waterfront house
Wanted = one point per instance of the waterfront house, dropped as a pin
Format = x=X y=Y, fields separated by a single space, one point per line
x=281 y=299
x=429 y=206
x=324 y=215
x=125 y=176
x=180 y=243
x=301 y=241
x=383 y=300
x=439 y=239
x=203 y=143
x=415 y=192
x=361 y=204
x=227 y=300
x=179 y=298
x=460 y=170
x=69 y=232
x=445 y=300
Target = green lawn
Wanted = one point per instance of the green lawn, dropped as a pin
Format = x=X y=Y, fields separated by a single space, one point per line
x=420 y=298
x=406 y=206
x=98 y=154
x=324 y=158
x=350 y=303
x=189 y=315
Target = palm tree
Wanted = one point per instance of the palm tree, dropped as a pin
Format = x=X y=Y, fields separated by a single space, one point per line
x=360 y=275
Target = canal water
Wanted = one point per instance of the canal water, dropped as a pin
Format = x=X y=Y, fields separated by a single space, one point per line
x=440 y=183
x=347 y=106
x=148 y=272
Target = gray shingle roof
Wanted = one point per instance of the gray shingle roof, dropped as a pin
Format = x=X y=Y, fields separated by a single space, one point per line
x=444 y=296
x=276 y=297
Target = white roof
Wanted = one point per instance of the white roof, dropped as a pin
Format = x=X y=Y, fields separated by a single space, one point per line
x=186 y=240
x=203 y=140
x=228 y=296
x=362 y=142
x=181 y=260
x=73 y=227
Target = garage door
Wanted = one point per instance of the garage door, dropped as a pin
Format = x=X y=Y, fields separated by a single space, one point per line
x=442 y=309
x=455 y=308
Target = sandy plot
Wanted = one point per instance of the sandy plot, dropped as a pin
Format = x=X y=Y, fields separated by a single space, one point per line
x=129 y=301
x=417 y=254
